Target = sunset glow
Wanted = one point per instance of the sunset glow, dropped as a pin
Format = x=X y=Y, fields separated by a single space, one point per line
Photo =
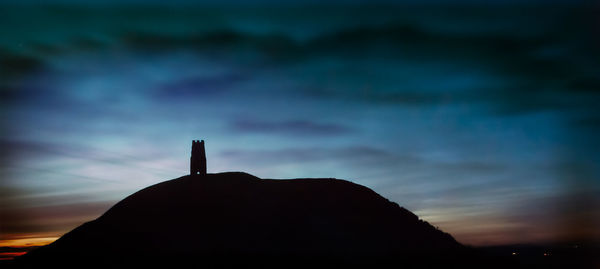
x=27 y=242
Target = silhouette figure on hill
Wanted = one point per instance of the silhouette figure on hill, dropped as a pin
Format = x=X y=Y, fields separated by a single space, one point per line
x=198 y=159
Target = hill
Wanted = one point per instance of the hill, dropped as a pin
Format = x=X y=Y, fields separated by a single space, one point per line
x=235 y=219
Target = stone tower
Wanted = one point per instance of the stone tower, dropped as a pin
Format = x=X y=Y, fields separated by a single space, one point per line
x=198 y=159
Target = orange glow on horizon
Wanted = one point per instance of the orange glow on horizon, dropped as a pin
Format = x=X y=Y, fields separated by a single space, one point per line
x=27 y=242
x=10 y=255
x=22 y=244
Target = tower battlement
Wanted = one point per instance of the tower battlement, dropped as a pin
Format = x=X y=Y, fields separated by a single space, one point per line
x=198 y=159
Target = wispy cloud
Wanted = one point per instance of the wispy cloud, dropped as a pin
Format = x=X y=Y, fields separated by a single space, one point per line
x=305 y=155
x=289 y=127
x=199 y=86
x=42 y=218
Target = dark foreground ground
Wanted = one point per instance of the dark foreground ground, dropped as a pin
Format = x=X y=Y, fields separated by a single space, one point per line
x=573 y=255
x=525 y=256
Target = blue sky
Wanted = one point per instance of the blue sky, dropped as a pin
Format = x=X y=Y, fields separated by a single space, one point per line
x=482 y=125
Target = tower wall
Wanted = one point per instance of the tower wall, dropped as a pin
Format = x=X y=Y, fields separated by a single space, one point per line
x=198 y=158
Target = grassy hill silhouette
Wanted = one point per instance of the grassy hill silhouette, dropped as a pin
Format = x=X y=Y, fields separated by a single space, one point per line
x=236 y=219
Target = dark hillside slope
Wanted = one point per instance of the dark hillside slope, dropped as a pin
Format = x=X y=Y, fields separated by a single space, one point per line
x=238 y=219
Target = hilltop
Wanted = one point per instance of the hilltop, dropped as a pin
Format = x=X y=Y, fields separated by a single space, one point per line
x=236 y=219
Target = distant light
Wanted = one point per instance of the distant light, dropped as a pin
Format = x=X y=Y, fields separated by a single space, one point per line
x=514 y=253
x=546 y=254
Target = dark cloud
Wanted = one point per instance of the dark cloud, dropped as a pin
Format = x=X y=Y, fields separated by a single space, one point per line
x=303 y=155
x=21 y=150
x=225 y=42
x=199 y=86
x=363 y=156
x=41 y=218
x=14 y=65
x=588 y=123
x=25 y=213
x=516 y=58
x=289 y=127
x=29 y=155
x=15 y=151
x=589 y=84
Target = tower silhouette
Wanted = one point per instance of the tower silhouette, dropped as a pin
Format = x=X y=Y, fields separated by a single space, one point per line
x=198 y=159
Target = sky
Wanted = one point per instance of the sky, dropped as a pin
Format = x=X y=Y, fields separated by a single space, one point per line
x=481 y=120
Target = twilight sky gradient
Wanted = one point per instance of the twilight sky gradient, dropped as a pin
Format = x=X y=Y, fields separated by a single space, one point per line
x=481 y=120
